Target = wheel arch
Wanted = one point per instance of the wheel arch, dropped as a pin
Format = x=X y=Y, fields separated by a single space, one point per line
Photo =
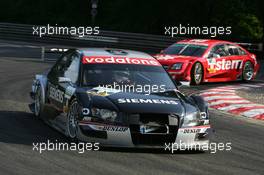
x=248 y=60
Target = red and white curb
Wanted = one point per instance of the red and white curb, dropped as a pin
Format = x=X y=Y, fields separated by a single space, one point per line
x=225 y=99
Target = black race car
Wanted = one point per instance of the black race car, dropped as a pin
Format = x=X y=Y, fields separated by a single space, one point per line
x=118 y=98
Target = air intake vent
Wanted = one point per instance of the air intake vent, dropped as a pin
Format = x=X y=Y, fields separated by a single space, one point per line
x=154 y=129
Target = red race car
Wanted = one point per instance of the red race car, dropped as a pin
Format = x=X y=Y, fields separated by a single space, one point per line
x=204 y=60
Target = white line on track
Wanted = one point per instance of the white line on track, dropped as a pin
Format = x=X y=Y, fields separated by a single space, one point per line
x=220 y=97
x=236 y=106
x=217 y=93
x=250 y=85
x=228 y=101
x=223 y=90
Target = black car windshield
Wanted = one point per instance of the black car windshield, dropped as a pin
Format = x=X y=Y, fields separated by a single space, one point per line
x=139 y=78
x=186 y=50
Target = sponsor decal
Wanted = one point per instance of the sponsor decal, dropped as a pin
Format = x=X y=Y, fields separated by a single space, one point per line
x=120 y=60
x=215 y=65
x=99 y=126
x=190 y=131
x=145 y=129
x=147 y=101
x=55 y=93
x=203 y=115
x=199 y=40
x=86 y=111
x=115 y=128
x=69 y=92
x=164 y=57
x=103 y=91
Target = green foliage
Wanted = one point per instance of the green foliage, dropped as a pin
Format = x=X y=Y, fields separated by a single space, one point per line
x=250 y=27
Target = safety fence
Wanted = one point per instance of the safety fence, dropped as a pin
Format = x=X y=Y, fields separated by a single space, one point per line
x=135 y=41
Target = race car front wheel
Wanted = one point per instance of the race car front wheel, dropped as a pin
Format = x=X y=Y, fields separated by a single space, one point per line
x=72 y=124
x=197 y=74
x=38 y=106
x=248 y=71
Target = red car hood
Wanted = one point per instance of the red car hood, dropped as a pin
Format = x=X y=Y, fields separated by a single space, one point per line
x=169 y=59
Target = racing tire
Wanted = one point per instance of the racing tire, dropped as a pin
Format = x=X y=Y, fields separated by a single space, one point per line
x=71 y=123
x=248 y=71
x=38 y=102
x=197 y=74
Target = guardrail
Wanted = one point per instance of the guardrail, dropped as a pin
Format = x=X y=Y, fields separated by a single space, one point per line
x=143 y=42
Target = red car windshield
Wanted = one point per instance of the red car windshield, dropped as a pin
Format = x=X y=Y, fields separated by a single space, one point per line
x=186 y=50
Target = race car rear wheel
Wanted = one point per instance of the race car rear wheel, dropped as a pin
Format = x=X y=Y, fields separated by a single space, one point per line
x=197 y=74
x=248 y=71
x=72 y=124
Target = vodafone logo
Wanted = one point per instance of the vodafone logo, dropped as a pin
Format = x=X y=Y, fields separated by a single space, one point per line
x=224 y=65
x=120 y=60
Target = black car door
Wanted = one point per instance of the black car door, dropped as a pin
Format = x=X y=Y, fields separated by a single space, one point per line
x=63 y=75
x=215 y=60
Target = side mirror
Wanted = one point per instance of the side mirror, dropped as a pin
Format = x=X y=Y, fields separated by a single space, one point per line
x=64 y=80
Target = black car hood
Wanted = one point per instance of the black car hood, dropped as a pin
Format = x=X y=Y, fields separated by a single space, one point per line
x=133 y=103
x=140 y=103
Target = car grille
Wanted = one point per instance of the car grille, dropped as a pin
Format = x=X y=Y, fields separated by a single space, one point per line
x=153 y=129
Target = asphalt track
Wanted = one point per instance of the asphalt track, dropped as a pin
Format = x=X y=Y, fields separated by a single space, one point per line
x=19 y=129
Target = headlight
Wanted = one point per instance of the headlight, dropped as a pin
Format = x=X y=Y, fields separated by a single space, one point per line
x=191 y=119
x=104 y=114
x=176 y=66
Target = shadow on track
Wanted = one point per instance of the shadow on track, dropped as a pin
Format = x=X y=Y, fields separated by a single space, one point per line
x=24 y=128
